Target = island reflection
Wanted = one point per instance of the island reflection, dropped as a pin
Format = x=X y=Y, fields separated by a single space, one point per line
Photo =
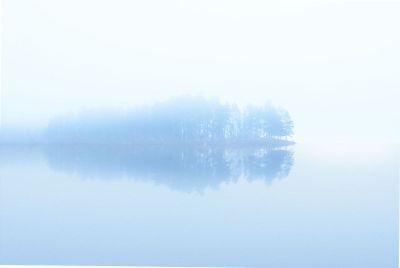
x=183 y=168
x=187 y=143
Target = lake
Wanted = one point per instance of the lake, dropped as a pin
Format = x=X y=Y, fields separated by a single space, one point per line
x=306 y=205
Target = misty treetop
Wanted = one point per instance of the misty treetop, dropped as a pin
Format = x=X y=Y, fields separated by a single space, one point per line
x=178 y=120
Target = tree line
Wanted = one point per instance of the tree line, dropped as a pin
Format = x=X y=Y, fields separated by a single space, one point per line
x=178 y=120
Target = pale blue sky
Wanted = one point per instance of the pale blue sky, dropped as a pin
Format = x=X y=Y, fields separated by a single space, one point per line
x=334 y=65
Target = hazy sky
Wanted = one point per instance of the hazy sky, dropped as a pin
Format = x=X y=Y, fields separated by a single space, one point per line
x=334 y=65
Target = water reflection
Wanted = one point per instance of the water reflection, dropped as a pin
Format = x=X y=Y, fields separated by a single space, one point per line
x=184 y=168
x=186 y=142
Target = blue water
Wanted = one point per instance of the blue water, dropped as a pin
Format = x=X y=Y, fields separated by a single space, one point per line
x=308 y=205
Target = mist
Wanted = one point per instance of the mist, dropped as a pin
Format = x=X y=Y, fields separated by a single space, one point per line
x=335 y=73
x=215 y=133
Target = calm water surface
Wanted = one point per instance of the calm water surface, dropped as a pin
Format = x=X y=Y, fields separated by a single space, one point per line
x=311 y=205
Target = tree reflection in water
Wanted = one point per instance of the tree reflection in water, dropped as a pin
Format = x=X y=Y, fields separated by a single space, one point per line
x=185 y=168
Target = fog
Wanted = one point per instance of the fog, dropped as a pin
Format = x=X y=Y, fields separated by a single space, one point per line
x=333 y=65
